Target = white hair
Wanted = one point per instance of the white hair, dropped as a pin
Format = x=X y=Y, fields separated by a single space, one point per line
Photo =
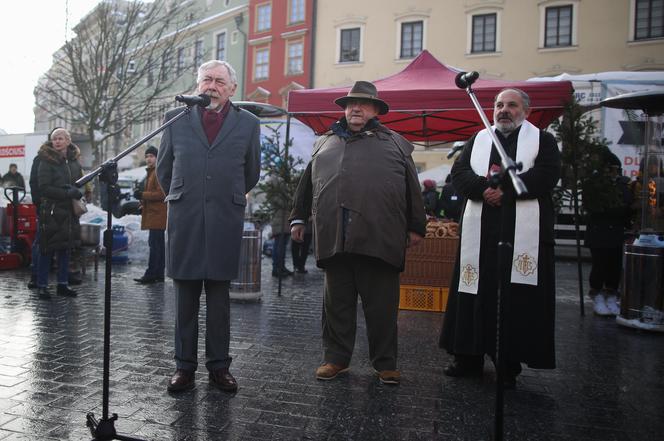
x=208 y=65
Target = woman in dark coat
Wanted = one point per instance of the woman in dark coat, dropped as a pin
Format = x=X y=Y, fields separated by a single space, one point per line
x=58 y=226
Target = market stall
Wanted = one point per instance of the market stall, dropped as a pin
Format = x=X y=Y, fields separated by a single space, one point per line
x=426 y=105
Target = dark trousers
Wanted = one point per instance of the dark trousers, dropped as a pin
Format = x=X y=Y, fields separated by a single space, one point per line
x=279 y=251
x=217 y=323
x=377 y=284
x=44 y=266
x=300 y=251
x=606 y=268
x=35 y=253
x=156 y=261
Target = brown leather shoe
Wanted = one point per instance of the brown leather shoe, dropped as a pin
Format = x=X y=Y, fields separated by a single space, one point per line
x=181 y=380
x=222 y=379
x=329 y=371
x=389 y=377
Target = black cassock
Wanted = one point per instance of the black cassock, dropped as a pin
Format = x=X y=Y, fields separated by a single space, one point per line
x=469 y=325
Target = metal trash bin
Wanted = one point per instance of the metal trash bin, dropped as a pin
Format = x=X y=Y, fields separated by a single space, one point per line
x=642 y=300
x=247 y=285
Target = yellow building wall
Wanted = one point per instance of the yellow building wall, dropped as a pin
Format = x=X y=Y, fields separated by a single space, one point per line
x=602 y=40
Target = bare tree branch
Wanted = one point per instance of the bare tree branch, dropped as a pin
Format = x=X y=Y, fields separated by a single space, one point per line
x=117 y=69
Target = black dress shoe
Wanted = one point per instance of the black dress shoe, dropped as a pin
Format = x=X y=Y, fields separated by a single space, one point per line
x=74 y=279
x=284 y=273
x=181 y=380
x=148 y=280
x=44 y=293
x=32 y=284
x=64 y=290
x=223 y=380
x=463 y=367
x=301 y=270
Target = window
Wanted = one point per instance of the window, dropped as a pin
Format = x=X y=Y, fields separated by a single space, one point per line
x=484 y=33
x=411 y=39
x=221 y=46
x=295 y=61
x=198 y=54
x=180 y=63
x=262 y=64
x=350 y=45
x=165 y=65
x=263 y=17
x=150 y=76
x=558 y=26
x=296 y=11
x=649 y=19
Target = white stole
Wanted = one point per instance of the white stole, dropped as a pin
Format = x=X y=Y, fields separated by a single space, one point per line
x=526 y=227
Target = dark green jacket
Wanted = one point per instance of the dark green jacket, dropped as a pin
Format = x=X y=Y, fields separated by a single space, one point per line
x=59 y=228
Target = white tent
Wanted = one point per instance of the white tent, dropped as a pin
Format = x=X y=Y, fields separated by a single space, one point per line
x=438 y=174
x=620 y=127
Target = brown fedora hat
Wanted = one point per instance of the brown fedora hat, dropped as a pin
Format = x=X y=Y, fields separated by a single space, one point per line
x=363 y=90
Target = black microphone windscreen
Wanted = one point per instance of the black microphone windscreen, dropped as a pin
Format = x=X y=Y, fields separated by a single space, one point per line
x=460 y=81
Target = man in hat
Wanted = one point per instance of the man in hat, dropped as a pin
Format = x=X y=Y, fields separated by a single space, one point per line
x=362 y=191
x=153 y=219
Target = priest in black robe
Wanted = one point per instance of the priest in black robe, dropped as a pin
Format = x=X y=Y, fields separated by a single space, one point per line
x=469 y=327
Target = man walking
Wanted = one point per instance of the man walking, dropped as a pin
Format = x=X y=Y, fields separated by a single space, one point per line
x=469 y=327
x=153 y=219
x=207 y=162
x=362 y=190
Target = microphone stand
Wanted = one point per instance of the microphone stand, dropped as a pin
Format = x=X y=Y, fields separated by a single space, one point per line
x=104 y=429
x=509 y=167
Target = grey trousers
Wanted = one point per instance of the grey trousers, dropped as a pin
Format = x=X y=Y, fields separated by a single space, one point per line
x=217 y=323
x=377 y=284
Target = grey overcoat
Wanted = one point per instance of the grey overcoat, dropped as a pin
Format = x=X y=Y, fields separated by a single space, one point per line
x=205 y=188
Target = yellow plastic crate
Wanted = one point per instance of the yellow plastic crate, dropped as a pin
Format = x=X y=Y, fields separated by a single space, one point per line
x=423 y=298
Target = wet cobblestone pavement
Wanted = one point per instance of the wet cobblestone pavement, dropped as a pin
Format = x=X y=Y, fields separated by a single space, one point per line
x=609 y=384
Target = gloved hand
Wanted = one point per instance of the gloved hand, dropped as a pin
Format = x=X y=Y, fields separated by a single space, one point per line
x=73 y=192
x=138 y=194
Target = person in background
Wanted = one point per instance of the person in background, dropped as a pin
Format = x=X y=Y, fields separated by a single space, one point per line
x=59 y=229
x=607 y=202
x=36 y=199
x=153 y=219
x=450 y=201
x=361 y=189
x=13 y=178
x=281 y=238
x=300 y=250
x=430 y=196
x=207 y=162
x=469 y=327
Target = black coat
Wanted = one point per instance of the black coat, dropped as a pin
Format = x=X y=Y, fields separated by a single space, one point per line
x=606 y=228
x=470 y=320
x=450 y=202
x=34 y=181
x=58 y=227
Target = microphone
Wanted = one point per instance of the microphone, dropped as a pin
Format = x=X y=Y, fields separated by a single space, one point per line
x=192 y=100
x=455 y=149
x=463 y=80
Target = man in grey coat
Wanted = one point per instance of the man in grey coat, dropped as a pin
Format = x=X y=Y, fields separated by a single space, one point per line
x=207 y=162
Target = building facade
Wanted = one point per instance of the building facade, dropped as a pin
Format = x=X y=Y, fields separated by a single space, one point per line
x=216 y=29
x=501 y=39
x=279 y=49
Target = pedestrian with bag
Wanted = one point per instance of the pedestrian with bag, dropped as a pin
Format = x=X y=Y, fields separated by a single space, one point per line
x=59 y=228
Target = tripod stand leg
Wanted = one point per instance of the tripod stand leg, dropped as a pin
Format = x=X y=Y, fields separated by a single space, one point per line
x=104 y=429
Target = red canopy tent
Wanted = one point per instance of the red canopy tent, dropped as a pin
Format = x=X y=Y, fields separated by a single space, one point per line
x=425 y=103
